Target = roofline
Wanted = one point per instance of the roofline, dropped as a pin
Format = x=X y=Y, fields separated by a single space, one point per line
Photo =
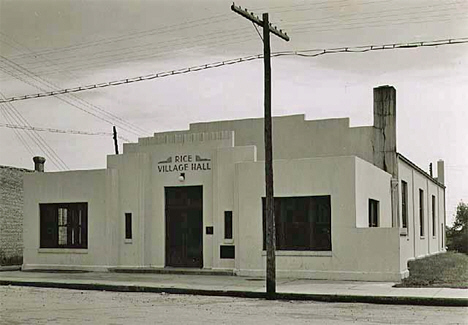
x=412 y=164
x=17 y=168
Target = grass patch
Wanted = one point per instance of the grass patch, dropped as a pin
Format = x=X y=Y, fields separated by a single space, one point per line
x=448 y=270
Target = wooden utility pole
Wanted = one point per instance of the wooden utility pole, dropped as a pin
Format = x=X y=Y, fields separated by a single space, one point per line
x=116 y=145
x=269 y=202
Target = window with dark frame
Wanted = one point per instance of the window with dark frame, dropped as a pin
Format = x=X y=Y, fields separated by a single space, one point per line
x=128 y=225
x=63 y=225
x=373 y=213
x=404 y=204
x=228 y=224
x=421 y=212
x=302 y=223
x=434 y=224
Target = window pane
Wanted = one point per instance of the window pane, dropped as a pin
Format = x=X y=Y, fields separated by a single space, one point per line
x=404 y=204
x=373 y=213
x=421 y=212
x=63 y=225
x=302 y=223
x=228 y=224
x=128 y=226
x=434 y=225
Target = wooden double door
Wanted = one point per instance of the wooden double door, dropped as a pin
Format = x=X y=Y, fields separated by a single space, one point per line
x=184 y=226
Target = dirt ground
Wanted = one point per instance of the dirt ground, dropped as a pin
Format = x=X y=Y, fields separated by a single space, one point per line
x=24 y=305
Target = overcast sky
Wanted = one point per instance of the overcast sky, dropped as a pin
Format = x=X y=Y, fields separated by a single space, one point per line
x=46 y=45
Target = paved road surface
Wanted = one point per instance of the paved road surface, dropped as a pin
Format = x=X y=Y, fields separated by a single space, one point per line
x=23 y=305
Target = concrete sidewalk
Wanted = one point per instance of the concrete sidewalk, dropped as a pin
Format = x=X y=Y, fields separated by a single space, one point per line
x=225 y=285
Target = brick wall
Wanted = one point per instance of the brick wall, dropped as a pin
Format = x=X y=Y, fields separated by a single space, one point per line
x=11 y=212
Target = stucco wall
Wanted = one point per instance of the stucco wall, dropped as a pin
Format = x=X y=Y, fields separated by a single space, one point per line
x=412 y=245
x=370 y=253
x=11 y=212
x=141 y=191
x=65 y=187
x=295 y=137
x=372 y=183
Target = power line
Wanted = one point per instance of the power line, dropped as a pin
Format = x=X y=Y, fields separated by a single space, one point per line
x=34 y=136
x=76 y=132
x=23 y=141
x=302 y=53
x=130 y=52
x=163 y=29
x=126 y=125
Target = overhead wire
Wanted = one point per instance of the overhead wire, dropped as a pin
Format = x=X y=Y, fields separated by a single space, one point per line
x=115 y=58
x=166 y=29
x=300 y=29
x=52 y=130
x=36 y=138
x=108 y=117
x=377 y=23
x=17 y=133
x=53 y=85
x=300 y=53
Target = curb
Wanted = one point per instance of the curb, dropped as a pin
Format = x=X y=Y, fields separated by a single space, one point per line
x=10 y=268
x=388 y=300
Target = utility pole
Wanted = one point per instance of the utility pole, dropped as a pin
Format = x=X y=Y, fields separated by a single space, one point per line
x=270 y=207
x=116 y=145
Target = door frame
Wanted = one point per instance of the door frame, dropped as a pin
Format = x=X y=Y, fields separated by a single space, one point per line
x=166 y=225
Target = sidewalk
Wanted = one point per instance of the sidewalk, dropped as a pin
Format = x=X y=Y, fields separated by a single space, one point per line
x=225 y=285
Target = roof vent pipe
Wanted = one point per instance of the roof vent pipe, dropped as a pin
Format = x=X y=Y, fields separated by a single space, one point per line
x=39 y=164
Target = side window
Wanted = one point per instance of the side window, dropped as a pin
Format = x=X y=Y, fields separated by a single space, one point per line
x=421 y=212
x=128 y=225
x=373 y=213
x=404 y=204
x=434 y=223
x=228 y=224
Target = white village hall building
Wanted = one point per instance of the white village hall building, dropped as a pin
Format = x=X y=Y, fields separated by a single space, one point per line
x=347 y=204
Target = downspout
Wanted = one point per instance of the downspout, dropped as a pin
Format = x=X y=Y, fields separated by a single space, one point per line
x=414 y=216
x=428 y=204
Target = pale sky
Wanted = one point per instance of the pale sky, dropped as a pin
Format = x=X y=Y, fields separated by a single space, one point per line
x=46 y=45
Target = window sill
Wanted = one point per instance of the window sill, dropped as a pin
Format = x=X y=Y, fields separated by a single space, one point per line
x=403 y=231
x=128 y=241
x=229 y=241
x=422 y=237
x=63 y=250
x=301 y=253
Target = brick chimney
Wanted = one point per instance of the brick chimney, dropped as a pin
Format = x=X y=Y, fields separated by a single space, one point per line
x=39 y=164
x=384 y=142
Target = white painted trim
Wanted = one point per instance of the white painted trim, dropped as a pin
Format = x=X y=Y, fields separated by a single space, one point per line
x=329 y=275
x=62 y=250
x=302 y=253
x=93 y=268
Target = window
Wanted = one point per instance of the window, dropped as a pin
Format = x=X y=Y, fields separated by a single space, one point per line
x=434 y=225
x=128 y=225
x=421 y=212
x=302 y=223
x=228 y=224
x=373 y=213
x=404 y=204
x=64 y=225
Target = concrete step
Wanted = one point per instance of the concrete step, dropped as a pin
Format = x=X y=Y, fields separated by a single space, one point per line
x=171 y=270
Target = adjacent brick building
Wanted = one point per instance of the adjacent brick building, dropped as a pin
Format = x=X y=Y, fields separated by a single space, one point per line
x=11 y=213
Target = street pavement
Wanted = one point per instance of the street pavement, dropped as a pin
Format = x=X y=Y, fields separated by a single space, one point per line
x=29 y=305
x=224 y=285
